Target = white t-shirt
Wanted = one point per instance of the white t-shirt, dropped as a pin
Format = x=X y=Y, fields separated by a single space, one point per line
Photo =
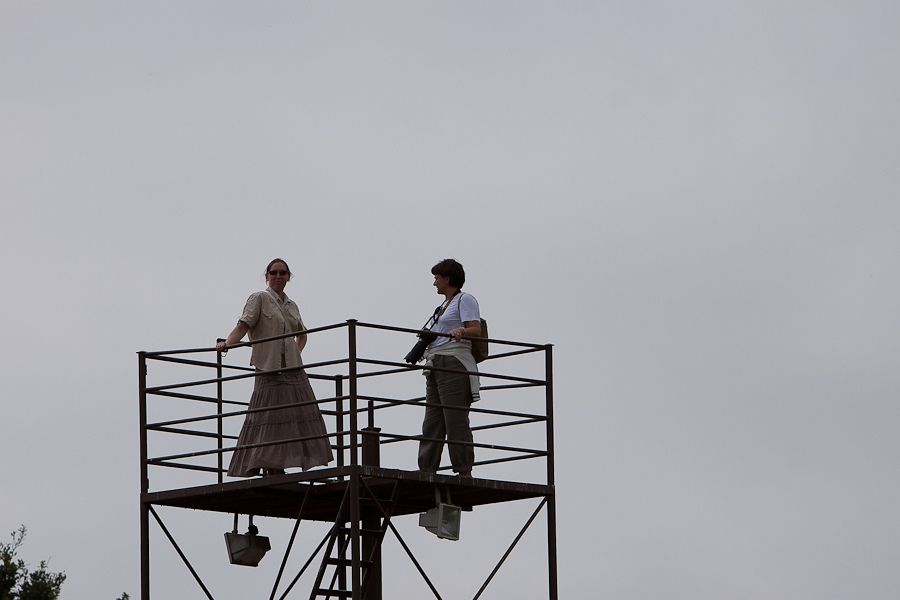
x=462 y=308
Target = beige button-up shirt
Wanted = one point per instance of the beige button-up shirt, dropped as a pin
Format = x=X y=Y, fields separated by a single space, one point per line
x=267 y=315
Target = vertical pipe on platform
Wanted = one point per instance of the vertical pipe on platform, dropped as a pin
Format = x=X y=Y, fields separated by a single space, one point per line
x=551 y=476
x=339 y=419
x=354 y=464
x=145 y=483
x=339 y=426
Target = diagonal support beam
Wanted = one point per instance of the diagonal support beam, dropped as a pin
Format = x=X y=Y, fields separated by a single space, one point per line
x=306 y=565
x=415 y=562
x=180 y=553
x=510 y=549
x=287 y=551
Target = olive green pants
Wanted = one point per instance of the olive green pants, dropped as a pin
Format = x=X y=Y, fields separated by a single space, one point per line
x=447 y=400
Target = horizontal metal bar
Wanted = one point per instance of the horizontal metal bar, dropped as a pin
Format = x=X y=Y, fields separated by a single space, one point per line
x=244 y=447
x=157 y=463
x=152 y=354
x=510 y=386
x=392 y=401
x=238 y=413
x=327 y=363
x=184 y=361
x=508 y=424
x=514 y=353
x=507 y=459
x=416 y=400
x=470 y=408
x=207 y=434
x=156 y=353
x=236 y=367
x=379 y=373
x=159 y=388
x=209 y=399
x=483 y=427
x=238 y=403
x=386 y=363
x=386 y=404
x=416 y=331
x=422 y=438
x=498 y=460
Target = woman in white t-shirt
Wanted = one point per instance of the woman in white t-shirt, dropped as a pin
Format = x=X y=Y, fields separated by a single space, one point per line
x=452 y=384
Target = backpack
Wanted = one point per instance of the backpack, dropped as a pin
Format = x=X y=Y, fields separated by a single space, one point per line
x=480 y=345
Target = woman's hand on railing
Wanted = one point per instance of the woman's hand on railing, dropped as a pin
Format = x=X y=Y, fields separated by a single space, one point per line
x=236 y=335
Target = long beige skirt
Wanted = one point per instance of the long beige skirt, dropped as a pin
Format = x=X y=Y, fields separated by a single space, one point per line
x=278 y=389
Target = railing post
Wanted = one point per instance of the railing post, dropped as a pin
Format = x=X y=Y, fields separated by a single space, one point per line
x=354 y=465
x=145 y=482
x=339 y=419
x=339 y=426
x=219 y=406
x=551 y=476
x=354 y=413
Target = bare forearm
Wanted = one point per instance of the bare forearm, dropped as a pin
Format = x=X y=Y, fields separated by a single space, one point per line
x=469 y=329
x=237 y=334
x=301 y=342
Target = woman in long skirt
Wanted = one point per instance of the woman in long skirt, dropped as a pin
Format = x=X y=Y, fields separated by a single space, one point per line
x=269 y=313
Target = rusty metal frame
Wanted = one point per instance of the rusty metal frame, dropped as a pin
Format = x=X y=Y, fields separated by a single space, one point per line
x=345 y=438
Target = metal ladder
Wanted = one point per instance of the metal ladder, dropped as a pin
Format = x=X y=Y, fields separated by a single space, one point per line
x=335 y=557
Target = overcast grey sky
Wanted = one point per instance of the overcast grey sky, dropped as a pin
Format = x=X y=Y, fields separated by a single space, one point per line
x=696 y=202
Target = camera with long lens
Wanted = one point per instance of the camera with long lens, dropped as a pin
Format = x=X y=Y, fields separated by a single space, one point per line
x=415 y=355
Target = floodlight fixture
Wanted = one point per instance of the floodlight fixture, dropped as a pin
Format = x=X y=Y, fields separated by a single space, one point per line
x=443 y=521
x=246 y=549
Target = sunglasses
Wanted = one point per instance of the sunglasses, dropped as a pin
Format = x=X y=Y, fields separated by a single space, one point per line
x=278 y=273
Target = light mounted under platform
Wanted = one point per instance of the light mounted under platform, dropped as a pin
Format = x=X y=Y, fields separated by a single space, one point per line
x=443 y=520
x=246 y=549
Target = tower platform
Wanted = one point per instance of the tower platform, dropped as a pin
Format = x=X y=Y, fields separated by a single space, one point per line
x=280 y=495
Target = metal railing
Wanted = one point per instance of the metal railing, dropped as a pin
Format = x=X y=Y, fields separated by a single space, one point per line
x=343 y=409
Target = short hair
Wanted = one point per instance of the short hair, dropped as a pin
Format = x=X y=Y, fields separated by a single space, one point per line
x=276 y=260
x=451 y=269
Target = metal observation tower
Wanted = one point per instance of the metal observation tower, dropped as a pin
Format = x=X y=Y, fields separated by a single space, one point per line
x=358 y=497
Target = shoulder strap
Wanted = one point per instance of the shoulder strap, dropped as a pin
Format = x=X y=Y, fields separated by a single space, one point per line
x=460 y=302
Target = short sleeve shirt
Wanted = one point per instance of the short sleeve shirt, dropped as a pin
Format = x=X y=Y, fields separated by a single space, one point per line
x=267 y=315
x=463 y=308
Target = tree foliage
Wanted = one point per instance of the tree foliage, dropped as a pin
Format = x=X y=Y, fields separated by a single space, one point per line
x=17 y=582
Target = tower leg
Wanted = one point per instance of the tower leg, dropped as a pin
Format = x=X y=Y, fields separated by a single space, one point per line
x=551 y=546
x=145 y=552
x=371 y=457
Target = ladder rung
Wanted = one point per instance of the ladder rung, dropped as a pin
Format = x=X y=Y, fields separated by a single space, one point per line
x=348 y=562
x=334 y=593
x=362 y=531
